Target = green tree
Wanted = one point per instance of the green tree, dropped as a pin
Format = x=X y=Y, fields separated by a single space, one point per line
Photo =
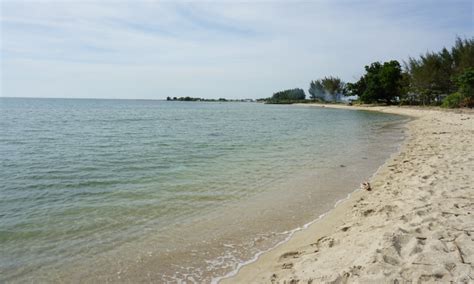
x=316 y=90
x=465 y=82
x=334 y=86
x=462 y=55
x=381 y=83
x=357 y=88
x=433 y=75
x=392 y=81
x=288 y=96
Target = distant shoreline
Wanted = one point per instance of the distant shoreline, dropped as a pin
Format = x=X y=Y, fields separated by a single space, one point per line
x=421 y=200
x=127 y=99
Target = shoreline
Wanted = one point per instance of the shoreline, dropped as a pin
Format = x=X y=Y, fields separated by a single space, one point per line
x=240 y=227
x=229 y=276
x=382 y=235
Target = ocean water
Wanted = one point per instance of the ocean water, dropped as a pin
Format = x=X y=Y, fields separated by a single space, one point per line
x=137 y=190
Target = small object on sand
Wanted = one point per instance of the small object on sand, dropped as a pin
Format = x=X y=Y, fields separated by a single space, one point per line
x=344 y=229
x=366 y=186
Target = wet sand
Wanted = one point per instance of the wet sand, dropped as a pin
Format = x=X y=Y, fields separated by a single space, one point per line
x=416 y=223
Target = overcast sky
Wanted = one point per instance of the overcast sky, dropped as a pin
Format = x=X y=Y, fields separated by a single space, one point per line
x=150 y=49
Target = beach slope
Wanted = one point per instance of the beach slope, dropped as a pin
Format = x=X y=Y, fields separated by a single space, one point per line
x=416 y=223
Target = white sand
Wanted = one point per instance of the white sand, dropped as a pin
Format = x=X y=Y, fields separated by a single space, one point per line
x=417 y=223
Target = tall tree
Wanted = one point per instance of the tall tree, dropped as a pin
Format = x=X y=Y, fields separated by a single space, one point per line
x=334 y=86
x=432 y=75
x=465 y=82
x=380 y=83
x=316 y=90
x=463 y=55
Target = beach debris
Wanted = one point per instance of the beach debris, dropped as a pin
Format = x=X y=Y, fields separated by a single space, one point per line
x=345 y=229
x=366 y=185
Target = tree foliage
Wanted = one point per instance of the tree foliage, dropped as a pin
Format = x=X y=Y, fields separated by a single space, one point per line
x=289 y=95
x=453 y=101
x=380 y=83
x=327 y=86
x=463 y=55
x=465 y=83
x=334 y=86
x=433 y=75
x=316 y=90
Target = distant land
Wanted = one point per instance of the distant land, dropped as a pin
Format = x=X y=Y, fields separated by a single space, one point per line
x=191 y=99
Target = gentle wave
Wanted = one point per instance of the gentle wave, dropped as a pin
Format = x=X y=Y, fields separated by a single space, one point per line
x=289 y=234
x=85 y=182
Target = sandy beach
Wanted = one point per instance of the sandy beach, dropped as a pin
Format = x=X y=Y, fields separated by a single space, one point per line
x=416 y=224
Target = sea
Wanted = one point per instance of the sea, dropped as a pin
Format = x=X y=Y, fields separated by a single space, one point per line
x=97 y=191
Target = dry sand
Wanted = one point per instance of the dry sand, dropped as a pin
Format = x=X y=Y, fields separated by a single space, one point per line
x=416 y=225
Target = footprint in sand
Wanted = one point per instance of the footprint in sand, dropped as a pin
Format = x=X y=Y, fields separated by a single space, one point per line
x=290 y=254
x=368 y=212
x=327 y=242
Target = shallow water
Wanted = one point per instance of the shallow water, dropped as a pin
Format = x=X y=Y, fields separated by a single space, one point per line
x=125 y=190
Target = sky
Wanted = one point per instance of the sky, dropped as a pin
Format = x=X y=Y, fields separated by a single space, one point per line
x=154 y=49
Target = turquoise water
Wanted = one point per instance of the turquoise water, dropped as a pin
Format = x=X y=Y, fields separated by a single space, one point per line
x=124 y=189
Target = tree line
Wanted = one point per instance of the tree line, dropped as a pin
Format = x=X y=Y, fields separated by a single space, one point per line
x=436 y=78
x=192 y=99
x=327 y=89
x=287 y=96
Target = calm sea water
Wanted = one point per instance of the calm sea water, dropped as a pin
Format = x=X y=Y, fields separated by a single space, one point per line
x=123 y=190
